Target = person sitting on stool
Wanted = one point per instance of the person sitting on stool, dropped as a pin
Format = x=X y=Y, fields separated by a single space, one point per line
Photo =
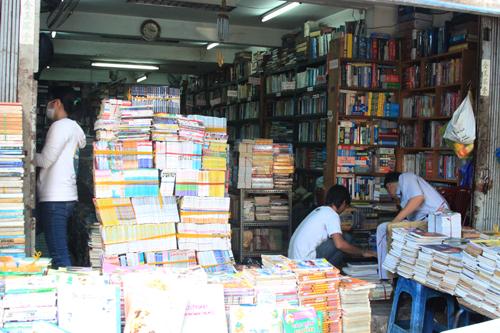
x=319 y=235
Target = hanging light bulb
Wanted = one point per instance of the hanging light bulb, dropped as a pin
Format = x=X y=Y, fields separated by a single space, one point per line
x=223 y=23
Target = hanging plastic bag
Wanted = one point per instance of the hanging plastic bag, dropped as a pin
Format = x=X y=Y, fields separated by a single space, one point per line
x=462 y=128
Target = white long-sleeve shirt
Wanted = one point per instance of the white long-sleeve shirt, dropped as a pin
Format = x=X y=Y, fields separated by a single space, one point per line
x=58 y=161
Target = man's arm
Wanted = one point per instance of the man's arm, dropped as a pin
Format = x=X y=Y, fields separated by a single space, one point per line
x=412 y=205
x=342 y=245
x=53 y=147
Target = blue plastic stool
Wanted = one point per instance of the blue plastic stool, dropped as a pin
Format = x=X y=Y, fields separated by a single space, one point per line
x=422 y=319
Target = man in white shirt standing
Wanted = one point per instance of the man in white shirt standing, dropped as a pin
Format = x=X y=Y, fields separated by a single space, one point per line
x=319 y=235
x=56 y=184
x=417 y=199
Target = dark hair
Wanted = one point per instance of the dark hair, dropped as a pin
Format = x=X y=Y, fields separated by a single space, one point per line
x=337 y=194
x=66 y=95
x=391 y=177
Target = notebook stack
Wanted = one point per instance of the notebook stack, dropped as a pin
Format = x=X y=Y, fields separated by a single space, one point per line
x=121 y=155
x=26 y=300
x=356 y=310
x=283 y=166
x=262 y=164
x=204 y=237
x=135 y=122
x=275 y=287
x=200 y=183
x=126 y=183
x=165 y=127
x=479 y=283
x=11 y=181
x=204 y=209
x=318 y=287
x=108 y=119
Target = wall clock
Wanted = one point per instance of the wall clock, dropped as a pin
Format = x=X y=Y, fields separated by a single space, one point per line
x=150 y=30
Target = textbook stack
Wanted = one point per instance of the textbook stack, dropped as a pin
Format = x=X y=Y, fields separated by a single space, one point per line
x=318 y=287
x=11 y=181
x=356 y=310
x=273 y=286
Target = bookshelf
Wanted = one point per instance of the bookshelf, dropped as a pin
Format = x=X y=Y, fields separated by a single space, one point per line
x=363 y=122
x=268 y=236
x=432 y=89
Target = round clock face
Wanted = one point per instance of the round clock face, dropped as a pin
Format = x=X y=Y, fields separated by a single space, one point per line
x=150 y=30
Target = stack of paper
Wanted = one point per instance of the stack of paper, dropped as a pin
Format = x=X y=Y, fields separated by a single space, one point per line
x=216 y=128
x=262 y=164
x=108 y=119
x=204 y=209
x=173 y=155
x=118 y=155
x=126 y=183
x=200 y=183
x=272 y=286
x=96 y=250
x=479 y=281
x=245 y=150
x=318 y=287
x=11 y=181
x=215 y=156
x=356 y=310
x=413 y=241
x=191 y=130
x=216 y=261
x=135 y=122
x=204 y=237
x=283 y=166
x=26 y=300
x=165 y=127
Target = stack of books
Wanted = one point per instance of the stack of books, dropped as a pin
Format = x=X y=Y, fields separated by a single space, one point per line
x=96 y=248
x=356 y=310
x=245 y=154
x=280 y=210
x=283 y=166
x=125 y=183
x=272 y=286
x=108 y=119
x=200 y=183
x=121 y=155
x=175 y=155
x=215 y=156
x=204 y=237
x=135 y=122
x=165 y=127
x=318 y=287
x=393 y=258
x=204 y=209
x=479 y=280
x=262 y=206
x=216 y=261
x=163 y=99
x=26 y=300
x=237 y=290
x=191 y=130
x=11 y=181
x=215 y=128
x=262 y=164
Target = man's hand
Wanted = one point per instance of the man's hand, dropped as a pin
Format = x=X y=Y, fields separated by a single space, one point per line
x=369 y=254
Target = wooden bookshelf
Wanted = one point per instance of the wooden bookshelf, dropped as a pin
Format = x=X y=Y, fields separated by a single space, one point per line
x=335 y=115
x=438 y=117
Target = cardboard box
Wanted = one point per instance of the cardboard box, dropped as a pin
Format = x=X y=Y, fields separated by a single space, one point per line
x=446 y=223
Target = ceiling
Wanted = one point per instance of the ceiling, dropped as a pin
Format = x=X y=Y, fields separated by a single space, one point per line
x=247 y=12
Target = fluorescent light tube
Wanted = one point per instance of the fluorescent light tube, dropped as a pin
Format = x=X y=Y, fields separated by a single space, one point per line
x=142 y=78
x=125 y=66
x=212 y=45
x=279 y=10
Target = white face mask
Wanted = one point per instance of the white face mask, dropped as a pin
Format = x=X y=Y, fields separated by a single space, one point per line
x=50 y=112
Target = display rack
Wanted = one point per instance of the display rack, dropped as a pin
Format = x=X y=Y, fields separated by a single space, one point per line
x=253 y=224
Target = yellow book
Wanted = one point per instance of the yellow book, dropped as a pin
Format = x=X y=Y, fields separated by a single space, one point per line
x=349 y=45
x=370 y=100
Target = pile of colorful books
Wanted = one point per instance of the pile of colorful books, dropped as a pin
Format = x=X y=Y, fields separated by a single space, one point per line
x=11 y=181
